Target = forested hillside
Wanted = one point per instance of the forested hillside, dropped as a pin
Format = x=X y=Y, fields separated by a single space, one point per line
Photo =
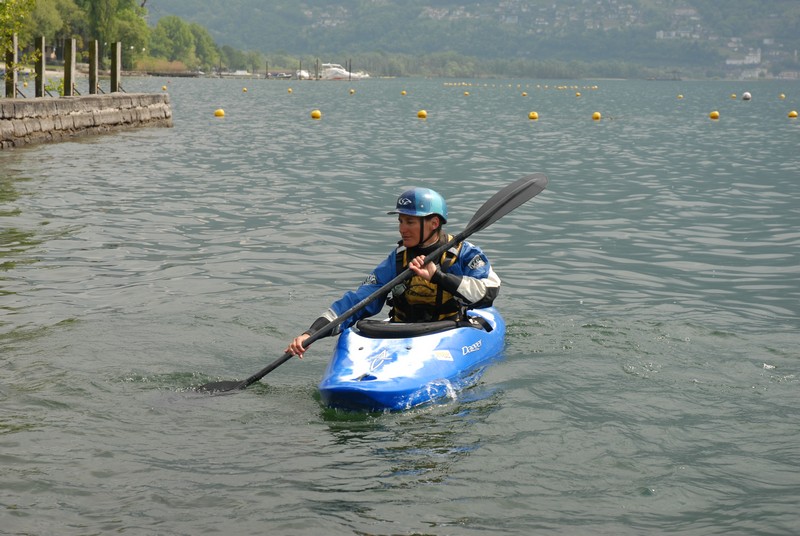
x=527 y=38
x=681 y=34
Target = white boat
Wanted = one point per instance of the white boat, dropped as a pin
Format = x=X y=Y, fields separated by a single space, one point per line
x=302 y=74
x=334 y=71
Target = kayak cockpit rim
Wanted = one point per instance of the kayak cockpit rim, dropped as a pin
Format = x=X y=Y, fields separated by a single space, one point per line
x=383 y=329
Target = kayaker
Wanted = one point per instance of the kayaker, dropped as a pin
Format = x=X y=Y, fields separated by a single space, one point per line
x=462 y=278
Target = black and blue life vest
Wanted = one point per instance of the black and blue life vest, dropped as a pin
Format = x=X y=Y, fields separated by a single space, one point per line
x=418 y=300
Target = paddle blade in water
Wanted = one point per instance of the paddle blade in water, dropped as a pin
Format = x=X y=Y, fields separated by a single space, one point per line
x=222 y=387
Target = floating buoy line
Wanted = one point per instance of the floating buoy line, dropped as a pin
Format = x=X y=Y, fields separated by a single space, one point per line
x=714 y=115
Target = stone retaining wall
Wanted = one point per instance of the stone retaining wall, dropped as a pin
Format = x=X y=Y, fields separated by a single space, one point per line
x=40 y=120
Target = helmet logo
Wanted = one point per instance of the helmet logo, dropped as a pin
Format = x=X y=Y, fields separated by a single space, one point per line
x=404 y=201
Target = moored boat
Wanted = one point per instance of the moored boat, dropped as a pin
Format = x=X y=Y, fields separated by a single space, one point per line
x=379 y=366
x=334 y=71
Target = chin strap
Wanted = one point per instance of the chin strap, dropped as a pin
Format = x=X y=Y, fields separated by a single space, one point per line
x=422 y=230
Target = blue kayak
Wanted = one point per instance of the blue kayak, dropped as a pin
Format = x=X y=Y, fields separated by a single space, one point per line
x=379 y=366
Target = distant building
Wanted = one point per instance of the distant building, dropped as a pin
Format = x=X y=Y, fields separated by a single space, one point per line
x=751 y=58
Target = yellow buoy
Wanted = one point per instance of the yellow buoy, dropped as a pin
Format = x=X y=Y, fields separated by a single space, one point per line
x=163 y=88
x=714 y=115
x=219 y=112
x=352 y=91
x=25 y=84
x=316 y=114
x=289 y=90
x=577 y=93
x=524 y=94
x=422 y=114
x=244 y=90
x=781 y=96
x=680 y=96
x=596 y=116
x=466 y=93
x=793 y=114
x=733 y=95
x=533 y=116
x=403 y=92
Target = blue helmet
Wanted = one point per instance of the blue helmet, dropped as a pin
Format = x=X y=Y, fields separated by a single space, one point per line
x=421 y=202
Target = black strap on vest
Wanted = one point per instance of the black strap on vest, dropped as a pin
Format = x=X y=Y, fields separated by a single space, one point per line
x=422 y=313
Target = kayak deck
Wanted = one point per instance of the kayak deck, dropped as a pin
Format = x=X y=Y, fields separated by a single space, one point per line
x=399 y=366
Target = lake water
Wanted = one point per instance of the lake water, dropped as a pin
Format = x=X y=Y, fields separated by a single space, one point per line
x=650 y=382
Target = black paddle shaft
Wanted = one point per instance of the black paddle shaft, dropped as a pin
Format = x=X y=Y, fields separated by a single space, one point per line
x=497 y=206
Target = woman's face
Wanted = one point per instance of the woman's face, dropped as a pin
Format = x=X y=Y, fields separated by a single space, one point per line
x=409 y=227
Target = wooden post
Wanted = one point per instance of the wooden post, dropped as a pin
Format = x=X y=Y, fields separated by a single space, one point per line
x=11 y=68
x=69 y=67
x=94 y=49
x=40 y=67
x=116 y=66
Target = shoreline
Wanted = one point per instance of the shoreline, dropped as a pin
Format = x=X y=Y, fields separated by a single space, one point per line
x=42 y=120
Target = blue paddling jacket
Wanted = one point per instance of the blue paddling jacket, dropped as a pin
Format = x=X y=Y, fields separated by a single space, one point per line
x=464 y=280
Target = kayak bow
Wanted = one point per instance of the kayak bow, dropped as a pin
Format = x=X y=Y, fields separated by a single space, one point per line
x=380 y=366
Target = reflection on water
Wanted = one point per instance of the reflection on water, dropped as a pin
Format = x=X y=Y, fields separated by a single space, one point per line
x=15 y=243
x=415 y=447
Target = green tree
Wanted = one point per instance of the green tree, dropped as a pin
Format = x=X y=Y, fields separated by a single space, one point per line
x=233 y=59
x=45 y=19
x=255 y=61
x=132 y=30
x=205 y=47
x=172 y=39
x=100 y=18
x=110 y=21
x=13 y=17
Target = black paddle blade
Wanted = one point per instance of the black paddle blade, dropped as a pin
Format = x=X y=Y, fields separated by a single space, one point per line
x=506 y=200
x=222 y=387
x=239 y=385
